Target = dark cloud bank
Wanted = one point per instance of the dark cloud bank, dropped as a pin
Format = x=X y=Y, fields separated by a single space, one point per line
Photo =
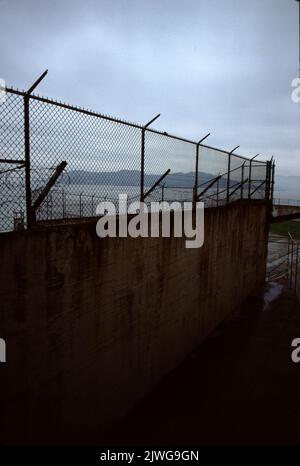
x=205 y=65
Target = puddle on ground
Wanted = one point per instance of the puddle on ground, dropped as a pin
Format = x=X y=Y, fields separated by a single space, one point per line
x=272 y=292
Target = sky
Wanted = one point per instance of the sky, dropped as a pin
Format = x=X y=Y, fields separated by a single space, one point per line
x=218 y=66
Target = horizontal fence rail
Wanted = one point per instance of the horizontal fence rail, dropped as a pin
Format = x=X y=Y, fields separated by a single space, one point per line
x=58 y=161
x=287 y=202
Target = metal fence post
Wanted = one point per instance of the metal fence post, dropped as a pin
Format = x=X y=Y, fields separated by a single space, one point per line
x=273 y=182
x=195 y=193
x=242 y=185
x=228 y=178
x=249 y=182
x=268 y=181
x=250 y=175
x=292 y=262
x=30 y=214
x=142 y=185
x=296 y=268
x=228 y=173
x=288 y=257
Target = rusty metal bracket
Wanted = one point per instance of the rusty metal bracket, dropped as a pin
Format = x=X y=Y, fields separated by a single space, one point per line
x=208 y=187
x=156 y=184
x=52 y=180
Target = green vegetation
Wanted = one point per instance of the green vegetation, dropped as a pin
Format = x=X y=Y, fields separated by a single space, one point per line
x=283 y=228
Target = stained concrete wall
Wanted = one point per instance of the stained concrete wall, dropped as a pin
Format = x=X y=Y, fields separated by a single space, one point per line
x=279 y=210
x=92 y=324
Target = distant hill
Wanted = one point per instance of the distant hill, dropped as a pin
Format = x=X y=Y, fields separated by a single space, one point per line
x=132 y=178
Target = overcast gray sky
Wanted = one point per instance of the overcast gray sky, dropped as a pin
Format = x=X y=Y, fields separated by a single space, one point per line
x=219 y=66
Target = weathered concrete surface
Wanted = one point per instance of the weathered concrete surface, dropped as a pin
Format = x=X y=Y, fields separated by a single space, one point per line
x=92 y=325
x=240 y=386
x=285 y=210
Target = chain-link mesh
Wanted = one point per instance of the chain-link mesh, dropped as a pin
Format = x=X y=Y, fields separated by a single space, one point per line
x=12 y=174
x=212 y=175
x=163 y=153
x=258 y=185
x=104 y=159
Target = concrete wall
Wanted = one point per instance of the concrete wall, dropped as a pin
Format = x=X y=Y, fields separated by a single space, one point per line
x=91 y=325
x=279 y=210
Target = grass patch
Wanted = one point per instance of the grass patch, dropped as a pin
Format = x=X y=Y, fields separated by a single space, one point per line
x=285 y=227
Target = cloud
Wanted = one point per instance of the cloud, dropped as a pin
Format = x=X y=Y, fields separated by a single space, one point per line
x=205 y=65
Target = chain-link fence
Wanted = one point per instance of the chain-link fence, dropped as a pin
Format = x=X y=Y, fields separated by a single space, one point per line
x=57 y=162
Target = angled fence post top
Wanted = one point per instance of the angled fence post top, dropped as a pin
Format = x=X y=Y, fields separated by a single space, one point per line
x=233 y=150
x=142 y=186
x=151 y=121
x=36 y=83
x=203 y=139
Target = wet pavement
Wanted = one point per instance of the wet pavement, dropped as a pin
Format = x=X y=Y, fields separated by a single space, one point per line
x=278 y=261
x=239 y=386
x=282 y=261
